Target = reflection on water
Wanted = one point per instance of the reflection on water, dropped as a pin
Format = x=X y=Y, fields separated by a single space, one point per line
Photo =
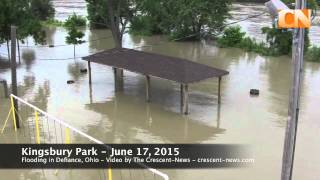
x=125 y=117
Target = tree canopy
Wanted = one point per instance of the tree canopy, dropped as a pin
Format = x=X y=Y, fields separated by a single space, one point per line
x=184 y=19
x=26 y=15
x=43 y=9
x=181 y=19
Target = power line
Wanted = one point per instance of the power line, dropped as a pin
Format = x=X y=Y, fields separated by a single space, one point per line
x=223 y=26
x=61 y=45
x=150 y=45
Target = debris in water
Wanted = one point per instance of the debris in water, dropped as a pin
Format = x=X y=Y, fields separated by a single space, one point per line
x=70 y=81
x=83 y=70
x=254 y=92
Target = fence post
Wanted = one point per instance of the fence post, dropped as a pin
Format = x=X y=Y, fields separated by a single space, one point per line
x=109 y=173
x=37 y=127
x=13 y=113
x=68 y=140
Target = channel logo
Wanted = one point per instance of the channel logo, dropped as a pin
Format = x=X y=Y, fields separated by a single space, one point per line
x=297 y=18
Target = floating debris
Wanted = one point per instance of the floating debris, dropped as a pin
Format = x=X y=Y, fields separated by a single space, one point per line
x=254 y=92
x=83 y=70
x=70 y=81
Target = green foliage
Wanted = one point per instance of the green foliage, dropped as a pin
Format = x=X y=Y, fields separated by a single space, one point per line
x=52 y=22
x=74 y=35
x=312 y=4
x=313 y=54
x=232 y=37
x=20 y=13
x=43 y=9
x=75 y=20
x=279 y=40
x=251 y=45
x=143 y=25
x=97 y=13
x=182 y=19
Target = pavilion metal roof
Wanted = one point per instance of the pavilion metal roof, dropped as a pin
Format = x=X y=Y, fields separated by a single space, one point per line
x=166 y=67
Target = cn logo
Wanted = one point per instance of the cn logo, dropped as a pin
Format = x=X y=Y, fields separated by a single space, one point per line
x=294 y=18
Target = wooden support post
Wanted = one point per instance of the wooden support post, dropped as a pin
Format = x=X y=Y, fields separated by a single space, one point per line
x=219 y=91
x=89 y=69
x=218 y=115
x=147 y=88
x=121 y=73
x=120 y=78
x=185 y=99
x=14 y=73
x=115 y=79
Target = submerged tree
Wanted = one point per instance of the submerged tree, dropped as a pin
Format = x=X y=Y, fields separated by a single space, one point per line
x=120 y=13
x=43 y=9
x=98 y=13
x=76 y=20
x=19 y=13
x=181 y=19
x=74 y=35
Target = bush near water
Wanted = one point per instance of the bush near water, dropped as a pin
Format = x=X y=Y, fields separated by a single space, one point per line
x=278 y=42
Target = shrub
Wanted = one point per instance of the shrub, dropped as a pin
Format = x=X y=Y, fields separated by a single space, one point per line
x=280 y=40
x=232 y=37
x=53 y=22
x=142 y=25
x=313 y=54
x=75 y=20
x=250 y=44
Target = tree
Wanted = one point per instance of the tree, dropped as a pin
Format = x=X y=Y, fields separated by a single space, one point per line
x=43 y=9
x=183 y=19
x=20 y=14
x=98 y=13
x=75 y=20
x=74 y=35
x=120 y=13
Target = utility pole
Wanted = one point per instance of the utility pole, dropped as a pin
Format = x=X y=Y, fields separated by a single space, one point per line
x=294 y=99
x=14 y=87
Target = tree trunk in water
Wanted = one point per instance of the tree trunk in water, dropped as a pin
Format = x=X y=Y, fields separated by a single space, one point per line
x=74 y=51
x=8 y=50
x=114 y=23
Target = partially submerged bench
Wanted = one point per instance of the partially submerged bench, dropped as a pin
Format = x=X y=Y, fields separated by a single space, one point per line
x=148 y=64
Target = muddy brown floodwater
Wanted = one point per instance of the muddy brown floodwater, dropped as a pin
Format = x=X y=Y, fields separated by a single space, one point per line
x=125 y=117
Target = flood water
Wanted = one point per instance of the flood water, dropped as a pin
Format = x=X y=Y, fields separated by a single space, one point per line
x=125 y=117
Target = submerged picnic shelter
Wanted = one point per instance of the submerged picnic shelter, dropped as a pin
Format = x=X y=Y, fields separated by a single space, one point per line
x=148 y=64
